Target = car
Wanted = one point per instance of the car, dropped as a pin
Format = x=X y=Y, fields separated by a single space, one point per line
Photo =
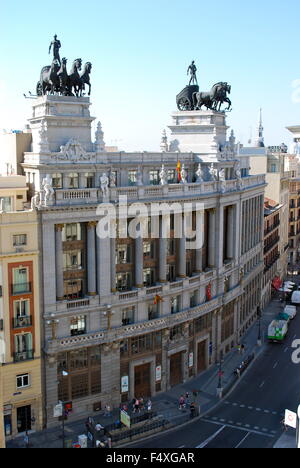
x=295 y=298
x=291 y=311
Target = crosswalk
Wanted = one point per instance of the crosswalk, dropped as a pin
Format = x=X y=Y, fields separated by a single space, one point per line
x=241 y=426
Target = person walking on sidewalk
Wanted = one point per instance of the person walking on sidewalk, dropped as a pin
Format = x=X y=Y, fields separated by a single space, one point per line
x=181 y=402
x=242 y=349
x=193 y=410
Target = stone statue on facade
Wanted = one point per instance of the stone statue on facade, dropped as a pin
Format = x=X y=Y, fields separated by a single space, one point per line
x=192 y=69
x=164 y=142
x=163 y=176
x=43 y=143
x=222 y=179
x=112 y=179
x=139 y=177
x=212 y=172
x=73 y=151
x=238 y=174
x=104 y=183
x=48 y=190
x=55 y=45
x=199 y=174
x=35 y=201
x=183 y=174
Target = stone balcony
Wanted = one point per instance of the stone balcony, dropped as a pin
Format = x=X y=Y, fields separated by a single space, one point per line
x=81 y=196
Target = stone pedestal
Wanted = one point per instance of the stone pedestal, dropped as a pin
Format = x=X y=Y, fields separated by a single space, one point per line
x=202 y=132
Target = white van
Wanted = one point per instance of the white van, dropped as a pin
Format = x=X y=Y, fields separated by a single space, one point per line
x=291 y=311
x=296 y=298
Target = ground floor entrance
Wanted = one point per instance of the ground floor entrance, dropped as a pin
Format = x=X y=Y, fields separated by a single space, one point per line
x=201 y=357
x=142 y=382
x=24 y=418
x=176 y=369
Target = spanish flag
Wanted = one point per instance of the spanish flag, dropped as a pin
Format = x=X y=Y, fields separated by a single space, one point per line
x=208 y=293
x=158 y=299
x=178 y=169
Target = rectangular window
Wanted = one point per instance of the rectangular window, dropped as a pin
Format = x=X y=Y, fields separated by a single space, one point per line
x=128 y=316
x=73 y=260
x=153 y=311
x=73 y=289
x=6 y=203
x=132 y=177
x=72 y=232
x=19 y=240
x=149 y=277
x=171 y=273
x=57 y=181
x=123 y=281
x=73 y=181
x=21 y=308
x=172 y=177
x=148 y=249
x=23 y=381
x=90 y=179
x=123 y=254
x=78 y=325
x=154 y=177
x=194 y=299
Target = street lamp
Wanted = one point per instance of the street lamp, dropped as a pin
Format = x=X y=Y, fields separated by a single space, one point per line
x=220 y=374
x=259 y=314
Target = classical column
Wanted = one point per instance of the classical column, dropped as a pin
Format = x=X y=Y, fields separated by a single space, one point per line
x=182 y=250
x=162 y=252
x=59 y=262
x=139 y=262
x=91 y=257
x=219 y=228
x=113 y=264
x=200 y=235
x=212 y=238
x=104 y=265
x=230 y=232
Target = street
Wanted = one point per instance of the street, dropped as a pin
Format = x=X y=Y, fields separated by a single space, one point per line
x=251 y=416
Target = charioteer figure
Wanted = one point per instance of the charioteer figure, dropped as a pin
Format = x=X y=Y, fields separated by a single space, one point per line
x=56 y=44
x=192 y=71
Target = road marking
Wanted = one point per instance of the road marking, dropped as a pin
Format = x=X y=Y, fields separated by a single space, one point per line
x=232 y=426
x=242 y=441
x=207 y=441
x=266 y=411
x=295 y=337
x=286 y=349
x=262 y=384
x=250 y=407
x=258 y=409
x=275 y=365
x=182 y=446
x=242 y=406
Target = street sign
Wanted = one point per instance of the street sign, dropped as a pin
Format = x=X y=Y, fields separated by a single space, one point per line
x=58 y=410
x=290 y=419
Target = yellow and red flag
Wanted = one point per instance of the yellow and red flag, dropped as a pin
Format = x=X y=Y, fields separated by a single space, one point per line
x=208 y=292
x=158 y=299
x=178 y=169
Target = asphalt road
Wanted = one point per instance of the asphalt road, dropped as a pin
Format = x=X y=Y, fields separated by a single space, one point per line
x=251 y=416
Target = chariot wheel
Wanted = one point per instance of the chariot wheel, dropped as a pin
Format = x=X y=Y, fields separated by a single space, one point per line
x=184 y=104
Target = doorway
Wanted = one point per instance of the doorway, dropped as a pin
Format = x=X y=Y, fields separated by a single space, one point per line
x=176 y=369
x=24 y=418
x=142 y=383
x=201 y=357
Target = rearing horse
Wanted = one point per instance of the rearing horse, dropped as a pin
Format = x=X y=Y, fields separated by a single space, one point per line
x=74 y=78
x=85 y=78
x=49 y=81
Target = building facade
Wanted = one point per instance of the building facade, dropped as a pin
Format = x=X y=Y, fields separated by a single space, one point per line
x=20 y=352
x=126 y=316
x=271 y=248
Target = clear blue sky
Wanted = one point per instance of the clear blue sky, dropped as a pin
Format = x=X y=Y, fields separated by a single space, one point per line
x=140 y=51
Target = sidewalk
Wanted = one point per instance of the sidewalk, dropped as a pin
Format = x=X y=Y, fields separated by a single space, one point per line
x=166 y=404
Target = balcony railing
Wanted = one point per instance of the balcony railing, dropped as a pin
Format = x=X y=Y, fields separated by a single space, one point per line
x=22 y=322
x=24 y=356
x=21 y=288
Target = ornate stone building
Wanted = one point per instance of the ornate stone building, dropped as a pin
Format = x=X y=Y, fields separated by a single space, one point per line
x=123 y=316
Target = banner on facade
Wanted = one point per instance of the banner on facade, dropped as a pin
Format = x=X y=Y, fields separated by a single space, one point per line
x=124 y=384
x=277 y=283
x=191 y=359
x=158 y=374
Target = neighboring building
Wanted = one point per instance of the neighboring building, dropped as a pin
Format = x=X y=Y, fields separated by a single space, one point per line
x=130 y=317
x=2 y=436
x=20 y=353
x=271 y=248
x=13 y=146
x=272 y=162
x=294 y=225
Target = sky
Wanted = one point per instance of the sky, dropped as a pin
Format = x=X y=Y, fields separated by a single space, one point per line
x=140 y=51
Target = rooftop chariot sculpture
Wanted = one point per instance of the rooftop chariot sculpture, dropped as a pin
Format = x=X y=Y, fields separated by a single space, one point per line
x=191 y=98
x=55 y=79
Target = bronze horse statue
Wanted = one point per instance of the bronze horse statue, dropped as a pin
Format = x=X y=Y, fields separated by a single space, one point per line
x=217 y=95
x=74 y=78
x=85 y=78
x=49 y=81
x=63 y=77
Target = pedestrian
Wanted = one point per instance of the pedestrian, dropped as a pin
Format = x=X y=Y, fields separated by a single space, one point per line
x=238 y=372
x=142 y=403
x=107 y=411
x=187 y=396
x=181 y=402
x=125 y=407
x=239 y=348
x=136 y=406
x=243 y=349
x=149 y=405
x=193 y=409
